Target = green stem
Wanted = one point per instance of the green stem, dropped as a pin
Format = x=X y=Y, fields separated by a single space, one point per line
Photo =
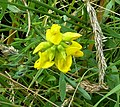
x=57 y=11
x=42 y=12
x=70 y=7
x=10 y=27
x=29 y=8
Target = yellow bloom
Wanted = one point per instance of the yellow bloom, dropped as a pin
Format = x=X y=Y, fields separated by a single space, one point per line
x=74 y=49
x=42 y=46
x=63 y=64
x=53 y=35
x=44 y=61
x=70 y=36
x=58 y=49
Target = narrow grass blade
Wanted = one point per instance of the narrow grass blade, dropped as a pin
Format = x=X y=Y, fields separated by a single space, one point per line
x=114 y=90
x=36 y=77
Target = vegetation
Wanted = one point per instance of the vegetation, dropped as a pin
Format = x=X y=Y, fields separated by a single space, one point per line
x=23 y=26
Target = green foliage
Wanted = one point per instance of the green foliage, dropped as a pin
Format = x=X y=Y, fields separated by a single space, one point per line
x=23 y=86
x=62 y=86
x=82 y=91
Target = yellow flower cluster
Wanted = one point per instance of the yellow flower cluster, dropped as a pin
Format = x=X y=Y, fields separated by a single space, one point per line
x=58 y=49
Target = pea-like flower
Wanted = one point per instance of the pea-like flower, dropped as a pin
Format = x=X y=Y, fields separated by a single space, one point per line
x=58 y=49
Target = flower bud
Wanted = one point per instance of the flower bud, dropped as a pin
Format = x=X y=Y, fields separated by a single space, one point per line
x=70 y=36
x=42 y=47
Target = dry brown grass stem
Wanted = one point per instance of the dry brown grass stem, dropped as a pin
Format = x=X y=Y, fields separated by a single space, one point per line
x=98 y=43
x=17 y=83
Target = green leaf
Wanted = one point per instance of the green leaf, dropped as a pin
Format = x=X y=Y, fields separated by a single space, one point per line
x=116 y=79
x=117 y=1
x=114 y=90
x=4 y=102
x=51 y=78
x=62 y=86
x=110 y=43
x=113 y=64
x=4 y=7
x=2 y=60
x=81 y=90
x=116 y=76
x=53 y=99
x=108 y=6
x=39 y=80
x=21 y=71
x=2 y=90
x=110 y=31
x=117 y=103
x=3 y=81
x=113 y=80
x=36 y=77
x=113 y=77
x=13 y=8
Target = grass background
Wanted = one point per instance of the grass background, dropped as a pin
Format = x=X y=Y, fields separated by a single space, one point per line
x=23 y=25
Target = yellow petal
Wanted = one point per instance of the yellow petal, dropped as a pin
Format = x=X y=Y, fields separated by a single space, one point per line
x=37 y=64
x=53 y=35
x=48 y=35
x=55 y=28
x=48 y=64
x=63 y=64
x=42 y=46
x=43 y=64
x=43 y=61
x=71 y=50
x=78 y=53
x=74 y=49
x=76 y=44
x=70 y=36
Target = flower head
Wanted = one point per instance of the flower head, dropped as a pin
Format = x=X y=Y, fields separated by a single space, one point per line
x=58 y=49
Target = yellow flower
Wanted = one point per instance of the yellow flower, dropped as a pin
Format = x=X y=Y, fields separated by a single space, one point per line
x=53 y=35
x=74 y=49
x=42 y=46
x=63 y=64
x=70 y=36
x=44 y=61
x=58 y=49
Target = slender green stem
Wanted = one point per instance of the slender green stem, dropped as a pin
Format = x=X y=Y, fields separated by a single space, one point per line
x=29 y=8
x=9 y=104
x=81 y=26
x=42 y=12
x=58 y=11
x=71 y=5
x=10 y=27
